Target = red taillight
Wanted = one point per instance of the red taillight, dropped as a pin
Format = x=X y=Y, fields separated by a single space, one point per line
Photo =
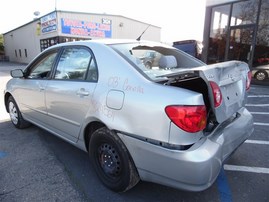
x=189 y=118
x=248 y=80
x=216 y=93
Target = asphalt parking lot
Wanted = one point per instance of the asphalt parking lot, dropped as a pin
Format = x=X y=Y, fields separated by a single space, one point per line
x=36 y=166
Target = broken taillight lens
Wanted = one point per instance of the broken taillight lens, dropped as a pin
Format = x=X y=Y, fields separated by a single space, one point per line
x=248 y=80
x=189 y=118
x=216 y=94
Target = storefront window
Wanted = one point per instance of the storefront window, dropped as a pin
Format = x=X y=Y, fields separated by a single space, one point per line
x=218 y=33
x=45 y=43
x=232 y=32
x=240 y=44
x=261 y=56
x=244 y=13
x=240 y=31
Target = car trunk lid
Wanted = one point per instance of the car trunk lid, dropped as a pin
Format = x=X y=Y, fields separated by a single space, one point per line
x=231 y=77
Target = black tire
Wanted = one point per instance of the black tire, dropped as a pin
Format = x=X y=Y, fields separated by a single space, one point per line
x=15 y=114
x=261 y=75
x=112 y=161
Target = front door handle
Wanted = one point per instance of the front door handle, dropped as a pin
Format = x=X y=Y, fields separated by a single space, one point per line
x=83 y=92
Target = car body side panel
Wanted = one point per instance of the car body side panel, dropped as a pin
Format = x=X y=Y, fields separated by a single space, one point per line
x=144 y=101
x=67 y=104
x=30 y=97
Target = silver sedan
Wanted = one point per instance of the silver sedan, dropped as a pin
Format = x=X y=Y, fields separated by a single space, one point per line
x=173 y=124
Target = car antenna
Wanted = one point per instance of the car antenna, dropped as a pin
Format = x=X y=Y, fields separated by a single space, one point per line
x=138 y=39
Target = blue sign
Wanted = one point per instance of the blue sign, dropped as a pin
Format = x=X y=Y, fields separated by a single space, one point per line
x=84 y=28
x=49 y=23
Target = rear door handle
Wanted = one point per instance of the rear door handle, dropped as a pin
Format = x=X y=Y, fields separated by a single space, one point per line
x=82 y=92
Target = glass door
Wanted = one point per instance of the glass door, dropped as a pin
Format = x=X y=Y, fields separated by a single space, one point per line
x=241 y=43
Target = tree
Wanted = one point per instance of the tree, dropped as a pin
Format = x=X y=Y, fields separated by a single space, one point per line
x=249 y=14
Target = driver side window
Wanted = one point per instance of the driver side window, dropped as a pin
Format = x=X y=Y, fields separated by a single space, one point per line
x=42 y=69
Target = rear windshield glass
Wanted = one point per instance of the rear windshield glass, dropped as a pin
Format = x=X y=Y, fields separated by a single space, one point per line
x=155 y=59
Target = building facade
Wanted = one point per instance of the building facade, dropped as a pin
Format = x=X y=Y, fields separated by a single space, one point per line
x=24 y=43
x=237 y=30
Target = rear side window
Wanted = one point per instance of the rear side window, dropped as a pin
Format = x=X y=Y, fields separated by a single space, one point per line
x=155 y=60
x=76 y=63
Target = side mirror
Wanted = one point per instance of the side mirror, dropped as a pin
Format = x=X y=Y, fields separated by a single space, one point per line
x=16 y=73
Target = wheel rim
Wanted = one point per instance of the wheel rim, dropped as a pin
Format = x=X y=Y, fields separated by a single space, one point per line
x=109 y=160
x=260 y=76
x=13 y=113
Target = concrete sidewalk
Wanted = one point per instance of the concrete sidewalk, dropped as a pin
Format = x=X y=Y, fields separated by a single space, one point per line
x=7 y=66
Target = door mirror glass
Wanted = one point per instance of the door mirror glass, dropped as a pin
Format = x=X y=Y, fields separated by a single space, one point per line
x=16 y=73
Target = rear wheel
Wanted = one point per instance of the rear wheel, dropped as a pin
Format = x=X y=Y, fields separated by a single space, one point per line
x=15 y=114
x=261 y=75
x=112 y=161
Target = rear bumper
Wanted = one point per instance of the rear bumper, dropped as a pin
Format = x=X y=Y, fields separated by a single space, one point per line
x=194 y=169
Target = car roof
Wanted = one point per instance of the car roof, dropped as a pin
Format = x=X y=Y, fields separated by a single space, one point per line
x=99 y=41
x=104 y=42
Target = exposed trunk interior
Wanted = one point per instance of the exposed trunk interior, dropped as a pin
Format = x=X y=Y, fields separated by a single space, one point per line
x=197 y=84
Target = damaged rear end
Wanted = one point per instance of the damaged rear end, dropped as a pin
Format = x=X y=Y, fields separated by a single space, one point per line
x=207 y=119
x=227 y=124
x=224 y=88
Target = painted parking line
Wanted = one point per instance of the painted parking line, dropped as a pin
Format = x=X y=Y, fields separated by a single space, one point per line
x=260 y=113
x=257 y=105
x=223 y=187
x=261 y=124
x=258 y=96
x=257 y=142
x=246 y=169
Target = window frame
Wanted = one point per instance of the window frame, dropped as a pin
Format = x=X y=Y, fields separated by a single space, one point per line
x=36 y=61
x=85 y=79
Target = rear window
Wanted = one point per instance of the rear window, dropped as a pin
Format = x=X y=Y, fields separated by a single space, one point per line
x=155 y=59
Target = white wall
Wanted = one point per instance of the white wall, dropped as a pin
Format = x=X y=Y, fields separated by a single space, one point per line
x=24 y=38
x=131 y=29
x=122 y=27
x=216 y=2
x=27 y=38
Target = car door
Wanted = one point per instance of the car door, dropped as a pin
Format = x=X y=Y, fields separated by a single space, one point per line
x=68 y=94
x=32 y=88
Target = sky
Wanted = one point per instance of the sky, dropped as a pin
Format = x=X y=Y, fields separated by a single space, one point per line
x=179 y=20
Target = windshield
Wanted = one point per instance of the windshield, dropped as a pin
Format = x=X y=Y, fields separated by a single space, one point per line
x=155 y=59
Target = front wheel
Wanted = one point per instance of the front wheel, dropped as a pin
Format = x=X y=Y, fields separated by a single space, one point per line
x=15 y=114
x=112 y=161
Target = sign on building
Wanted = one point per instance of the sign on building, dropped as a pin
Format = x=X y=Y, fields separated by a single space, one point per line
x=49 y=23
x=86 y=28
